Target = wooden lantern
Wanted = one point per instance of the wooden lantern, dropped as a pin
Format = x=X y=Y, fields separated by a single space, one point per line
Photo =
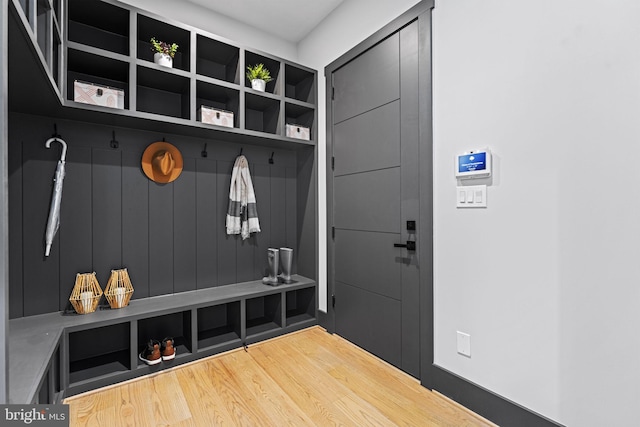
x=86 y=293
x=119 y=288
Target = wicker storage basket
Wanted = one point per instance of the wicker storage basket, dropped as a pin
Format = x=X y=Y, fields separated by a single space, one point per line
x=119 y=289
x=86 y=293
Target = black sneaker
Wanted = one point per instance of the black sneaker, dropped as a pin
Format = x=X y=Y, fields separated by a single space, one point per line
x=151 y=354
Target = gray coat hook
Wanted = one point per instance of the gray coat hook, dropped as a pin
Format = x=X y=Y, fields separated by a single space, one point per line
x=114 y=143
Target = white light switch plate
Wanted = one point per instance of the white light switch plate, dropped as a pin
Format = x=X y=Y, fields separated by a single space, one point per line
x=471 y=196
x=464 y=343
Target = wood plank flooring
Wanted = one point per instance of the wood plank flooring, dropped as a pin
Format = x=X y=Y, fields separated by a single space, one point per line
x=308 y=378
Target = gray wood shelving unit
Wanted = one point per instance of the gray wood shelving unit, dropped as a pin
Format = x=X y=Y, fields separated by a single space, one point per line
x=53 y=354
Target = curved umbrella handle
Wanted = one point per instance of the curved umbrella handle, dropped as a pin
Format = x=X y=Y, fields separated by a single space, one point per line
x=47 y=144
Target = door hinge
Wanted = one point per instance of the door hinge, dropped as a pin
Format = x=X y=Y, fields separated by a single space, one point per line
x=333 y=232
x=333 y=163
x=333 y=93
x=333 y=301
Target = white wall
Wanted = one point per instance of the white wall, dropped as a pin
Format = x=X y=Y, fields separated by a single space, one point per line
x=349 y=24
x=546 y=278
x=220 y=25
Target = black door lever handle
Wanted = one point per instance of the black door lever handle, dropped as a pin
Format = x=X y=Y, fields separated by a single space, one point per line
x=410 y=245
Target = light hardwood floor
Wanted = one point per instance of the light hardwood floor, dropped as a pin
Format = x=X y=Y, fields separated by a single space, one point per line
x=308 y=378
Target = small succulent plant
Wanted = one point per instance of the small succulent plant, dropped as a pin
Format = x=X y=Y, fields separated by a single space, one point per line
x=163 y=47
x=259 y=72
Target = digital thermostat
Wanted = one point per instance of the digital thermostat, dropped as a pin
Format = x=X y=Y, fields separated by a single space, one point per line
x=473 y=164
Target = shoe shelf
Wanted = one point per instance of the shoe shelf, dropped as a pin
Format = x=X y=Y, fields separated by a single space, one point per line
x=207 y=71
x=102 y=348
x=300 y=306
x=219 y=325
x=99 y=352
x=264 y=314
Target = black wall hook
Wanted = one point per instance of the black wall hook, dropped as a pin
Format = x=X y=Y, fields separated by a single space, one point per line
x=204 y=151
x=271 y=159
x=55 y=131
x=114 y=143
x=241 y=149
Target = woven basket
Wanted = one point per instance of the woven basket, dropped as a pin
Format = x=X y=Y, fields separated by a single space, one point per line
x=119 y=289
x=86 y=293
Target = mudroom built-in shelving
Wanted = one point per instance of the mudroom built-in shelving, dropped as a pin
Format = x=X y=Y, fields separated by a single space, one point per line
x=192 y=282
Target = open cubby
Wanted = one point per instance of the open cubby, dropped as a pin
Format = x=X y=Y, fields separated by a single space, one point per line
x=218 y=324
x=301 y=305
x=219 y=97
x=173 y=325
x=299 y=84
x=263 y=314
x=55 y=58
x=96 y=69
x=262 y=113
x=149 y=27
x=57 y=4
x=252 y=59
x=26 y=9
x=99 y=24
x=98 y=352
x=43 y=24
x=217 y=60
x=159 y=92
x=299 y=115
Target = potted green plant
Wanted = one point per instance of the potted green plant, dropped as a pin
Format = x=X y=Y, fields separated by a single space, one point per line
x=259 y=76
x=164 y=52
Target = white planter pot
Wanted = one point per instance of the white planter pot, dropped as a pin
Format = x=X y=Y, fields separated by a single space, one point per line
x=163 y=59
x=258 y=84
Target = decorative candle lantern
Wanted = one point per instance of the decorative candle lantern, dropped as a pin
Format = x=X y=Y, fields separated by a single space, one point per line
x=119 y=288
x=86 y=293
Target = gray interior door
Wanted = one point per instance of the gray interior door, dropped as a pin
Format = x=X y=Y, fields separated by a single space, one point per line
x=375 y=188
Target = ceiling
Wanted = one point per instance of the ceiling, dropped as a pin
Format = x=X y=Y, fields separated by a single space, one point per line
x=289 y=20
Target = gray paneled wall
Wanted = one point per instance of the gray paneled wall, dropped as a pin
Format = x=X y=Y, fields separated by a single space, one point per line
x=171 y=237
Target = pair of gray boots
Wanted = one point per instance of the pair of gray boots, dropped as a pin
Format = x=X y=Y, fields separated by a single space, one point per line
x=278 y=258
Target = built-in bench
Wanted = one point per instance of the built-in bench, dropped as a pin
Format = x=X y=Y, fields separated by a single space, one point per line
x=55 y=355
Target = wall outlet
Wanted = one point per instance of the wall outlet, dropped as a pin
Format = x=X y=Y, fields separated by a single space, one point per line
x=464 y=344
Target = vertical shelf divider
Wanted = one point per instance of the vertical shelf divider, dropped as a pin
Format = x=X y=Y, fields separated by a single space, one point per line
x=133 y=343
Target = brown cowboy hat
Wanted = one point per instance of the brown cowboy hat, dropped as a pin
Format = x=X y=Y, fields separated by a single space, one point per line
x=162 y=162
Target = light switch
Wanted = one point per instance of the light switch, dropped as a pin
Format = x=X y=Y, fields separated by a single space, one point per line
x=472 y=196
x=469 y=196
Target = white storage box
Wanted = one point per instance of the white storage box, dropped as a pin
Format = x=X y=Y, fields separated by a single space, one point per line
x=214 y=116
x=298 y=132
x=89 y=93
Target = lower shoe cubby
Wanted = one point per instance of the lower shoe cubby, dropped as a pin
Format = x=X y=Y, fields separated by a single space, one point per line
x=174 y=325
x=99 y=352
x=263 y=314
x=301 y=306
x=219 y=325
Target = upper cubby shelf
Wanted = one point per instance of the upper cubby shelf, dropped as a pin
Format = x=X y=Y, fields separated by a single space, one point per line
x=99 y=24
x=252 y=59
x=299 y=84
x=149 y=28
x=217 y=60
x=108 y=43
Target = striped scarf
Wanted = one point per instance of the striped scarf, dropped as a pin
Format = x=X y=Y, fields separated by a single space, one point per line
x=242 y=215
